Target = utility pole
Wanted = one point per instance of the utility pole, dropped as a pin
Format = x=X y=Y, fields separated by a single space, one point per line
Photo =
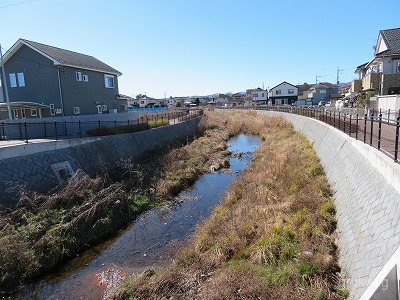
x=4 y=82
x=339 y=71
x=318 y=76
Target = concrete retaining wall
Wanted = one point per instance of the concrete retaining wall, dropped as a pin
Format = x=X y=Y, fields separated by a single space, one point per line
x=367 y=195
x=43 y=166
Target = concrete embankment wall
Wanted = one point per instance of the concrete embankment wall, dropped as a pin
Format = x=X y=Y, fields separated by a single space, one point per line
x=366 y=184
x=42 y=166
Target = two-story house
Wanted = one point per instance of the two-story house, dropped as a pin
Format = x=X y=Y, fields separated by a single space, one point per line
x=259 y=96
x=382 y=73
x=43 y=81
x=283 y=94
x=323 y=92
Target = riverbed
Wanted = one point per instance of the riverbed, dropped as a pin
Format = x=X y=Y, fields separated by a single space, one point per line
x=150 y=241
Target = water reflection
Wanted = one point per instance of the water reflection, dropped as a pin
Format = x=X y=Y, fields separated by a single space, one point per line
x=150 y=241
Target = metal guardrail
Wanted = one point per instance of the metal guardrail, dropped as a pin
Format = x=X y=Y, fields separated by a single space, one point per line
x=371 y=127
x=26 y=131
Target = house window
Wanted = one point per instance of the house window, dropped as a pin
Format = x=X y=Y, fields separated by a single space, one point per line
x=262 y=95
x=23 y=113
x=33 y=113
x=322 y=91
x=278 y=92
x=290 y=91
x=85 y=77
x=21 y=79
x=123 y=107
x=255 y=95
x=52 y=110
x=77 y=110
x=398 y=67
x=16 y=114
x=13 y=80
x=142 y=102
x=109 y=81
x=79 y=76
x=104 y=107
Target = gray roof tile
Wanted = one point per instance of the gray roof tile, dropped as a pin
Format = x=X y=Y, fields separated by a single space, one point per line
x=392 y=40
x=73 y=59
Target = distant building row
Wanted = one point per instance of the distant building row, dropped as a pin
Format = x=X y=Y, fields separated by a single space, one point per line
x=38 y=80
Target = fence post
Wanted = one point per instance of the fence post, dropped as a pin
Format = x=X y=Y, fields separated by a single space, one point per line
x=80 y=130
x=45 y=128
x=344 y=123
x=380 y=130
x=350 y=126
x=115 y=126
x=66 y=131
x=365 y=128
x=339 y=120
x=357 y=127
x=3 y=132
x=20 y=131
x=396 y=146
x=334 y=119
x=372 y=128
x=55 y=126
x=388 y=116
x=99 y=124
x=26 y=133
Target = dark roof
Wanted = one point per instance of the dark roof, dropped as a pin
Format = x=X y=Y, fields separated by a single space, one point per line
x=329 y=85
x=283 y=83
x=320 y=86
x=69 y=58
x=303 y=87
x=361 y=66
x=392 y=41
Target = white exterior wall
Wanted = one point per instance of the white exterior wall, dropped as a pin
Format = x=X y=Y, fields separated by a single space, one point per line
x=284 y=87
x=387 y=65
x=260 y=96
x=391 y=102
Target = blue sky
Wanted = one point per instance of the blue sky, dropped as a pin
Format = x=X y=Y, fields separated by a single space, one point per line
x=201 y=47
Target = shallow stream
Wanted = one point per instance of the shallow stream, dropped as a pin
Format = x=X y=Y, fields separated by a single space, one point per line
x=149 y=242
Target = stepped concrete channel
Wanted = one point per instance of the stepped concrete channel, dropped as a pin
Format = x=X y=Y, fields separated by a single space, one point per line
x=45 y=164
x=366 y=185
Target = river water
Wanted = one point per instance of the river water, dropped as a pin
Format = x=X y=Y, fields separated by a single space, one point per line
x=149 y=242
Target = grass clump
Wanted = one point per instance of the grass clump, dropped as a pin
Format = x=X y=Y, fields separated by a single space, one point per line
x=49 y=228
x=271 y=238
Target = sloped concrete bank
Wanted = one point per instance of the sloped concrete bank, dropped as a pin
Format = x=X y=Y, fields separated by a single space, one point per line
x=367 y=196
x=43 y=166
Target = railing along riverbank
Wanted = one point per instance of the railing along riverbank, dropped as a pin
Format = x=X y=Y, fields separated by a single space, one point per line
x=26 y=131
x=375 y=128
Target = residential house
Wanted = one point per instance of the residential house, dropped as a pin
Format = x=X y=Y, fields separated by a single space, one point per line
x=221 y=99
x=302 y=91
x=323 y=91
x=345 y=90
x=259 y=96
x=283 y=94
x=45 y=81
x=237 y=99
x=146 y=102
x=382 y=74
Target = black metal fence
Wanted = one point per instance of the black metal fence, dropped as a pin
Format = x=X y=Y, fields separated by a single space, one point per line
x=26 y=130
x=378 y=129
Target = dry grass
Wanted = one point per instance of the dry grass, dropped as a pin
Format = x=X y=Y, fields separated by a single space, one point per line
x=271 y=237
x=47 y=229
